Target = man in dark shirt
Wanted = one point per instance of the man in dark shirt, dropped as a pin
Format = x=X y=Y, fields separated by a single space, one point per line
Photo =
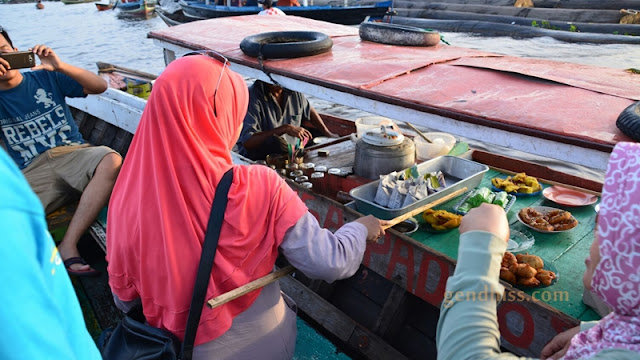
x=275 y=111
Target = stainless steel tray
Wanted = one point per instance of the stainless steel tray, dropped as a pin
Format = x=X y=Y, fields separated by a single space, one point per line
x=457 y=172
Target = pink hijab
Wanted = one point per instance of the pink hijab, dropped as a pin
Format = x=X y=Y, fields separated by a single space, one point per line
x=161 y=202
x=616 y=278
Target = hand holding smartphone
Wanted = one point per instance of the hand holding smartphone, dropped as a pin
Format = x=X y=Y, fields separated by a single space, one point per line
x=20 y=59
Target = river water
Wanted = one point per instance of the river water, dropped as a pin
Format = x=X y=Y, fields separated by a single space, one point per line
x=82 y=35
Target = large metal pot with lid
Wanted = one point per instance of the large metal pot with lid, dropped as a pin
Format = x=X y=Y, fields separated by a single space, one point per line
x=381 y=151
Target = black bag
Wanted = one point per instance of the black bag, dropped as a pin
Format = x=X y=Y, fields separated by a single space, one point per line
x=133 y=339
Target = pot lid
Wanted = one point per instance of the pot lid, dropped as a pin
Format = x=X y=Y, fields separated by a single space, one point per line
x=383 y=136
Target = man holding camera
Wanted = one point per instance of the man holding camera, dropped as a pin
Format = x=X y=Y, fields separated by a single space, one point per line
x=42 y=137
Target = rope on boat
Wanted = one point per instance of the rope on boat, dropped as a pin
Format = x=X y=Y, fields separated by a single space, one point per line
x=261 y=62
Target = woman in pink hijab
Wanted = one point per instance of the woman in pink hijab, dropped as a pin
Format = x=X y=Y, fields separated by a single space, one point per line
x=469 y=329
x=613 y=268
x=160 y=207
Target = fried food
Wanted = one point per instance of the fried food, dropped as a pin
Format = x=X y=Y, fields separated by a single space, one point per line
x=508 y=276
x=508 y=259
x=555 y=220
x=533 y=260
x=520 y=183
x=557 y=216
x=532 y=281
x=545 y=277
x=565 y=225
x=525 y=270
x=441 y=219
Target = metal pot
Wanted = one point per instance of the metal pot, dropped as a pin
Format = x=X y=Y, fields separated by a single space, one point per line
x=372 y=161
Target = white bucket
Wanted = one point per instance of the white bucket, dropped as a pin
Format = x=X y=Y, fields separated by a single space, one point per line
x=370 y=122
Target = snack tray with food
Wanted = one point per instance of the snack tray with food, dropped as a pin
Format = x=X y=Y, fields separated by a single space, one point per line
x=457 y=208
x=519 y=185
x=551 y=221
x=458 y=173
x=526 y=271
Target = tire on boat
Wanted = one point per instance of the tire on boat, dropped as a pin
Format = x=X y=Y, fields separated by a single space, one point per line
x=629 y=121
x=286 y=44
x=396 y=34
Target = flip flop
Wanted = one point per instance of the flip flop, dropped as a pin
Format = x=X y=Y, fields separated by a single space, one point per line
x=78 y=260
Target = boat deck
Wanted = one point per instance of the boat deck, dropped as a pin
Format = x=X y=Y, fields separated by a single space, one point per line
x=559 y=110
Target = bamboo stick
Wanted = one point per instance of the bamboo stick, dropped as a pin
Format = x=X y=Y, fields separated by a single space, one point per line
x=247 y=288
x=424 y=207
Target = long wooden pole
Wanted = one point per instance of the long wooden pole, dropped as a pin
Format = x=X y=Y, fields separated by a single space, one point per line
x=247 y=288
x=424 y=207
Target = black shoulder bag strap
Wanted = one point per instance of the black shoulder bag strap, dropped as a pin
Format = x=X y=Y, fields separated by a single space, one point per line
x=206 y=263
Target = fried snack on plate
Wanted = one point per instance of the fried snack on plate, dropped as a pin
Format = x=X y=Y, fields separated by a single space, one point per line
x=532 y=281
x=441 y=219
x=508 y=259
x=508 y=276
x=519 y=183
x=533 y=260
x=545 y=277
x=523 y=270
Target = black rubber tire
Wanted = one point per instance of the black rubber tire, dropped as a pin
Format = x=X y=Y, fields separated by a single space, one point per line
x=629 y=121
x=396 y=34
x=286 y=44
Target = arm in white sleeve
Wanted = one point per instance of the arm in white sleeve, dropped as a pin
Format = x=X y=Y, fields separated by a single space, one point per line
x=468 y=326
x=319 y=253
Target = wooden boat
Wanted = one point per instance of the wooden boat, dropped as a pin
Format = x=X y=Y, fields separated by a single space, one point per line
x=71 y=2
x=136 y=8
x=566 y=20
x=173 y=18
x=347 y=15
x=536 y=106
x=103 y=5
x=389 y=308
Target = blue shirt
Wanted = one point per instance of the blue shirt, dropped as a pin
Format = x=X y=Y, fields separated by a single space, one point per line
x=34 y=116
x=40 y=313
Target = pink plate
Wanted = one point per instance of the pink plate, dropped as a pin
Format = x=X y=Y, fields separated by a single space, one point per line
x=568 y=197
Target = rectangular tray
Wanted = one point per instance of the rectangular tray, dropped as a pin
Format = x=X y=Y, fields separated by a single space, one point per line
x=457 y=172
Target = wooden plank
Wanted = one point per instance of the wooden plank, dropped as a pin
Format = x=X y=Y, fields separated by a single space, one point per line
x=389 y=310
x=337 y=323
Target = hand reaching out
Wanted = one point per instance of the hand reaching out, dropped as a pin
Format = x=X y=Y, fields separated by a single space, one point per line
x=558 y=346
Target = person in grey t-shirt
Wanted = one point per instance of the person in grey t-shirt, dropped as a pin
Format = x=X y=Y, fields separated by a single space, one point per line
x=276 y=111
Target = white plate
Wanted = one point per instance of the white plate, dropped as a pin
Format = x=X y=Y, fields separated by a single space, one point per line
x=544 y=210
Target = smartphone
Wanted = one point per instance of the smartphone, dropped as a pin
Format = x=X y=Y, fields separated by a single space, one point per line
x=20 y=59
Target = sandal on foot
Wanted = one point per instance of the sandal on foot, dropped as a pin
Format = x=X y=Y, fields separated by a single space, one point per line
x=78 y=260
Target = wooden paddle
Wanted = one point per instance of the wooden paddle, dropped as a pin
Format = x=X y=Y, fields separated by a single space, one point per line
x=424 y=207
x=269 y=278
